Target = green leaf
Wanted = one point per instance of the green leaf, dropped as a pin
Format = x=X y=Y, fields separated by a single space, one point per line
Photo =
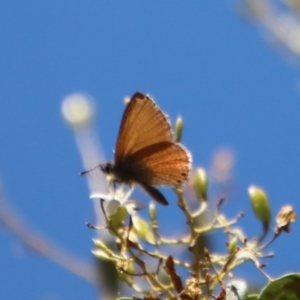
x=283 y=288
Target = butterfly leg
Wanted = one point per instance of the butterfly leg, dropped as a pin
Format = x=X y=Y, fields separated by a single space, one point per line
x=112 y=186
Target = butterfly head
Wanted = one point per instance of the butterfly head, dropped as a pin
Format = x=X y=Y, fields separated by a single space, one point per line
x=107 y=168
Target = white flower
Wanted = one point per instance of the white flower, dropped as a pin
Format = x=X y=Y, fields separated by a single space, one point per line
x=117 y=198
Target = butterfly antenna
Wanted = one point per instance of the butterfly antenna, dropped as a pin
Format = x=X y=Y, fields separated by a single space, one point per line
x=112 y=185
x=88 y=171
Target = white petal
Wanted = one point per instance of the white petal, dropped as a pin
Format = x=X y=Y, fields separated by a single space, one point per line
x=111 y=207
x=133 y=206
x=106 y=197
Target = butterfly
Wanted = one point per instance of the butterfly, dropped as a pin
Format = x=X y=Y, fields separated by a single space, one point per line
x=145 y=153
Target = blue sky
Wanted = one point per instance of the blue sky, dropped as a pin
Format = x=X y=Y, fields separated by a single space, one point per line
x=198 y=59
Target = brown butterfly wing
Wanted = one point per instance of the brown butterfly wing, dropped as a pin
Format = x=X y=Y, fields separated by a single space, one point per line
x=155 y=194
x=143 y=124
x=170 y=164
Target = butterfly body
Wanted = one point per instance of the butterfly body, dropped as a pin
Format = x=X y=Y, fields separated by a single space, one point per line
x=145 y=152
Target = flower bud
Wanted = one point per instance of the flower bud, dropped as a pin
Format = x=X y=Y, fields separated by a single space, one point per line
x=102 y=255
x=232 y=245
x=178 y=129
x=143 y=229
x=152 y=211
x=200 y=184
x=99 y=244
x=118 y=217
x=260 y=205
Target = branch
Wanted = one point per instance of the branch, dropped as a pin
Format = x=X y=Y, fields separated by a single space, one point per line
x=40 y=244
